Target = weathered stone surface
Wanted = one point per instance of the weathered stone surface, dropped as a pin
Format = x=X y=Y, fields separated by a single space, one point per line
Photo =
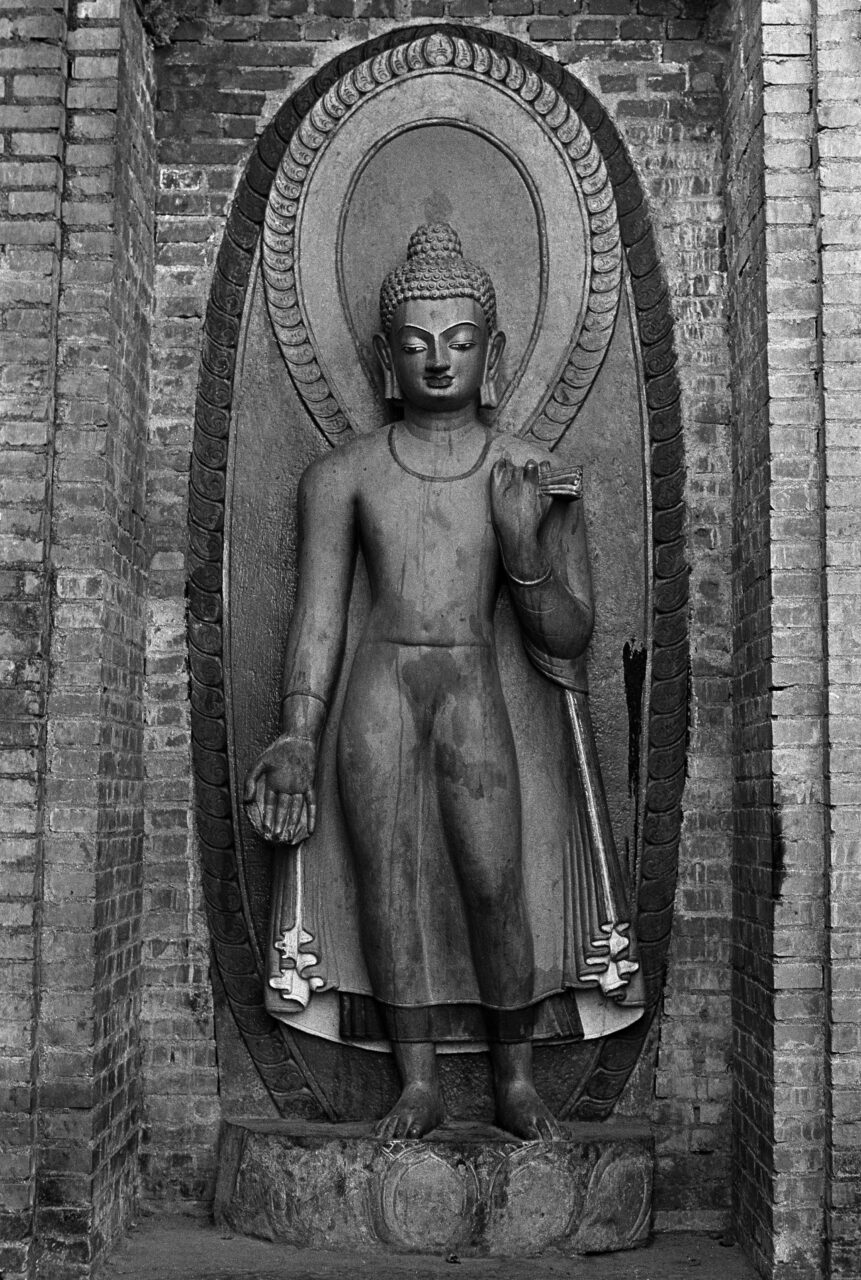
x=468 y=1189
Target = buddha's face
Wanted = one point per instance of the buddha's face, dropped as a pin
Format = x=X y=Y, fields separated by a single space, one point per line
x=440 y=352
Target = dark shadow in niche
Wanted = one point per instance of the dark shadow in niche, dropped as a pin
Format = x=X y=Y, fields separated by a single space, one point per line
x=635 y=661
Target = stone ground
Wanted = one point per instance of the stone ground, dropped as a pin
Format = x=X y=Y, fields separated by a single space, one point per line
x=165 y=1248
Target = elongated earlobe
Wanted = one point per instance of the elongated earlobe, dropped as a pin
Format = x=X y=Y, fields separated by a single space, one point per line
x=391 y=387
x=488 y=396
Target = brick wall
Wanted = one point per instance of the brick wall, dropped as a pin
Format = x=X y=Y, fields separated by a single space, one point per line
x=657 y=66
x=799 y=657
x=836 y=34
x=753 y=1073
x=78 y=134
x=119 y=875
x=787 y=742
x=32 y=147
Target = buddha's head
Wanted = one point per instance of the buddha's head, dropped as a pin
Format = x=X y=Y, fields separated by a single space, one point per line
x=439 y=347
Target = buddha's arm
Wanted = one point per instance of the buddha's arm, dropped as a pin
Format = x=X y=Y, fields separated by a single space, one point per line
x=280 y=787
x=544 y=555
x=318 y=628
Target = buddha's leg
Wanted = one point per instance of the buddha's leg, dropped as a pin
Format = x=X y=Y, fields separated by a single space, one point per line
x=479 y=796
x=382 y=754
x=478 y=785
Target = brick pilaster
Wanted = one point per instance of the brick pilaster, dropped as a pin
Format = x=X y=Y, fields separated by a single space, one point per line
x=753 y=1068
x=76 y=277
x=33 y=76
x=89 y=1080
x=794 y=257
x=837 y=155
x=799 y=666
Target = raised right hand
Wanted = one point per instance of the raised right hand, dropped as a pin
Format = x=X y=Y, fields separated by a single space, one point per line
x=280 y=798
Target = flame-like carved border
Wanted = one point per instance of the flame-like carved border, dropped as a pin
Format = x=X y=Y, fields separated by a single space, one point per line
x=441 y=50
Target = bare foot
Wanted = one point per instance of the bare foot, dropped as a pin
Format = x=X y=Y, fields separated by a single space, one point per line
x=520 y=1111
x=418 y=1110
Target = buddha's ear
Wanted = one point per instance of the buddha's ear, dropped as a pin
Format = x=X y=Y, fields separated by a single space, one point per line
x=391 y=388
x=488 y=396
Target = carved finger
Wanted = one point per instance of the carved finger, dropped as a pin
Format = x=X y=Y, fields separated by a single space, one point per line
x=255 y=816
x=293 y=815
x=301 y=832
x=251 y=779
x=281 y=811
x=256 y=805
x=311 y=802
x=532 y=478
x=269 y=807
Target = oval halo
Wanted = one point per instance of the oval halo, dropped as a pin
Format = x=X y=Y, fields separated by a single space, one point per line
x=307 y=233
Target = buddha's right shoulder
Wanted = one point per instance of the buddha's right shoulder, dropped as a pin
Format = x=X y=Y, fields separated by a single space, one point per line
x=341 y=469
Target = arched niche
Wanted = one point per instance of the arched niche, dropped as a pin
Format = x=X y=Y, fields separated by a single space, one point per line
x=285 y=376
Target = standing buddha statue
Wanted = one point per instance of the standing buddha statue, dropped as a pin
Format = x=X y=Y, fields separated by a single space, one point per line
x=445 y=512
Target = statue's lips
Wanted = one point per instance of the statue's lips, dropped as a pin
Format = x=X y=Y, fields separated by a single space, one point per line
x=444 y=381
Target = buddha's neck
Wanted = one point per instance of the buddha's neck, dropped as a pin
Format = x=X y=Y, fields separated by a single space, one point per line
x=428 y=424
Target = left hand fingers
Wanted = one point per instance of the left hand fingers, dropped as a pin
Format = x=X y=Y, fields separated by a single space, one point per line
x=281 y=812
x=256 y=805
x=294 y=813
x=311 y=809
x=270 y=806
x=301 y=830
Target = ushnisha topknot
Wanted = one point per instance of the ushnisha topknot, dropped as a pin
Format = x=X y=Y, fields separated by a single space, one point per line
x=436 y=268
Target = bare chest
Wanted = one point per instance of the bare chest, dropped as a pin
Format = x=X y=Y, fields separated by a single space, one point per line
x=416 y=526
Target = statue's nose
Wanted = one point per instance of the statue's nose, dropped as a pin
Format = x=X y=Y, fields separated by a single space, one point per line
x=437 y=357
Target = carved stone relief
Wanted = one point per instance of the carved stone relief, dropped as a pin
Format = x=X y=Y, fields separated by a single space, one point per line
x=585 y=306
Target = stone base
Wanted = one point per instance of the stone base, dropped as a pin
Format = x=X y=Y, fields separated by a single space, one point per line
x=467 y=1189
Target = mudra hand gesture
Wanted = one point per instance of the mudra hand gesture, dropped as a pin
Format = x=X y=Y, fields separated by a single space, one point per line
x=280 y=798
x=518 y=508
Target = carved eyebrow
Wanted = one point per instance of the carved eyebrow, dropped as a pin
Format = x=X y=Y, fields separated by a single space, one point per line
x=461 y=324
x=410 y=330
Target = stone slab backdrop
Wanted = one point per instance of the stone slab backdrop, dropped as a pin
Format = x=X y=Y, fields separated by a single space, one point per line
x=474 y=127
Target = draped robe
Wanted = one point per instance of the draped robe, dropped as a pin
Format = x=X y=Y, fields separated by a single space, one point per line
x=586 y=979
